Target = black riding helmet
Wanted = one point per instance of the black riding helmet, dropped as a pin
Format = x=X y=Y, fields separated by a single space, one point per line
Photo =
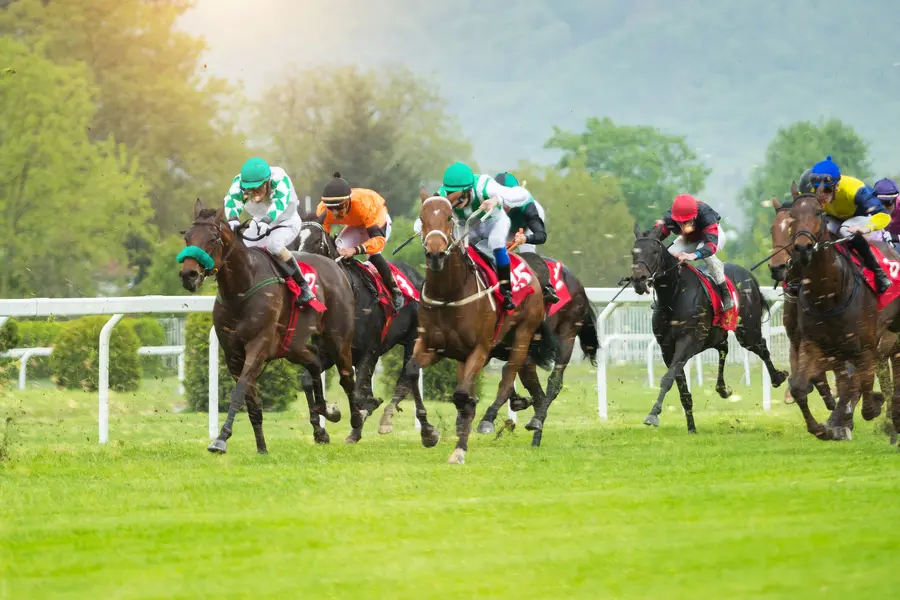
x=805 y=184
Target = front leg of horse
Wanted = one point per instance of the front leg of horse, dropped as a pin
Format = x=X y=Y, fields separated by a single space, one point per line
x=809 y=357
x=465 y=402
x=687 y=401
x=873 y=403
x=422 y=358
x=486 y=425
x=366 y=403
x=255 y=413
x=722 y=389
x=253 y=363
x=532 y=382
x=680 y=356
x=840 y=421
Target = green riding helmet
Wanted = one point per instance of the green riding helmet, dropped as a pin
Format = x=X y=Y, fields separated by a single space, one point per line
x=254 y=173
x=458 y=176
x=506 y=179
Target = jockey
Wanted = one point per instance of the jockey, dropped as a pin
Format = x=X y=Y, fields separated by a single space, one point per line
x=482 y=192
x=699 y=238
x=887 y=192
x=268 y=195
x=528 y=217
x=368 y=227
x=849 y=203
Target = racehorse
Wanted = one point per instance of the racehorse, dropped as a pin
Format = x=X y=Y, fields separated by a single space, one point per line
x=833 y=291
x=572 y=317
x=371 y=339
x=460 y=318
x=685 y=319
x=256 y=319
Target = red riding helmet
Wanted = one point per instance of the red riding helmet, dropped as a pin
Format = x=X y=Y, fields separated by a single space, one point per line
x=684 y=208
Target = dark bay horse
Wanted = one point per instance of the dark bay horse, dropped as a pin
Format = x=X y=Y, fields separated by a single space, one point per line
x=460 y=319
x=368 y=345
x=576 y=319
x=252 y=315
x=839 y=322
x=682 y=321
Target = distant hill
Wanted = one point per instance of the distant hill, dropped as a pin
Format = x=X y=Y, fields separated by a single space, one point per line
x=726 y=74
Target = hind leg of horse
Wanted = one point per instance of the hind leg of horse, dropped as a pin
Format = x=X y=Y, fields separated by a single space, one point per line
x=254 y=359
x=687 y=401
x=465 y=403
x=315 y=399
x=365 y=400
x=529 y=375
x=809 y=360
x=756 y=343
x=255 y=413
x=486 y=425
x=850 y=382
x=721 y=388
x=343 y=358
x=872 y=407
x=685 y=348
x=331 y=411
x=554 y=384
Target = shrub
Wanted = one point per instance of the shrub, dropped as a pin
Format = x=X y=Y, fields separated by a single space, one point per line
x=9 y=339
x=75 y=359
x=439 y=380
x=39 y=334
x=150 y=332
x=278 y=385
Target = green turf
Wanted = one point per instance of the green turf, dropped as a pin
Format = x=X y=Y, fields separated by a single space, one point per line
x=751 y=507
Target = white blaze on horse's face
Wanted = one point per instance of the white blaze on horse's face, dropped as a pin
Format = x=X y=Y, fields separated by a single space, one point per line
x=304 y=236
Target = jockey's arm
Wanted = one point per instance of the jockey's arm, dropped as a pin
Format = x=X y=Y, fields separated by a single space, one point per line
x=537 y=232
x=234 y=201
x=512 y=196
x=709 y=237
x=375 y=243
x=867 y=203
x=281 y=195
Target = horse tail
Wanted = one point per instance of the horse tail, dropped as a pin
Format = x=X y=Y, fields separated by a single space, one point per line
x=544 y=347
x=587 y=335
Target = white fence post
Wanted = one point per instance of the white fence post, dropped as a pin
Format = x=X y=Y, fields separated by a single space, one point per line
x=103 y=418
x=602 y=404
x=213 y=401
x=181 y=374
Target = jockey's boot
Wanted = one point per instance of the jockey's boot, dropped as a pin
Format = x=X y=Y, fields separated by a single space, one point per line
x=305 y=293
x=727 y=302
x=550 y=296
x=506 y=288
x=384 y=269
x=862 y=247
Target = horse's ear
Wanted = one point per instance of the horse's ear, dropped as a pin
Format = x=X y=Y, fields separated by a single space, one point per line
x=776 y=203
x=423 y=194
x=637 y=230
x=794 y=191
x=220 y=215
x=198 y=206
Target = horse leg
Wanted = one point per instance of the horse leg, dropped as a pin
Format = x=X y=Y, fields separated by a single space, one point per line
x=849 y=382
x=873 y=404
x=566 y=347
x=809 y=358
x=421 y=358
x=255 y=413
x=892 y=426
x=315 y=400
x=407 y=381
x=756 y=343
x=687 y=401
x=554 y=383
x=529 y=375
x=465 y=403
x=821 y=384
x=723 y=390
x=486 y=425
x=254 y=359
x=684 y=350
x=344 y=362
x=365 y=400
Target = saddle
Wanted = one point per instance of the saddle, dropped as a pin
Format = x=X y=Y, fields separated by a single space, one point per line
x=726 y=320
x=518 y=273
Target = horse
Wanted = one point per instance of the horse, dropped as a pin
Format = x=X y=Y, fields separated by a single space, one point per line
x=371 y=340
x=574 y=318
x=254 y=328
x=460 y=318
x=832 y=288
x=684 y=316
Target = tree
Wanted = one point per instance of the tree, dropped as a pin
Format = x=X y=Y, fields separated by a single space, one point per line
x=651 y=167
x=66 y=204
x=151 y=92
x=794 y=149
x=382 y=129
x=588 y=224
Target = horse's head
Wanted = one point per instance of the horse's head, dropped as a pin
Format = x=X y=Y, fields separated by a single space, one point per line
x=647 y=258
x=314 y=240
x=204 y=244
x=438 y=221
x=807 y=225
x=781 y=240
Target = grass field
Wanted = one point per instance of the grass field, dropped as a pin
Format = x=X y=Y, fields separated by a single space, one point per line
x=751 y=507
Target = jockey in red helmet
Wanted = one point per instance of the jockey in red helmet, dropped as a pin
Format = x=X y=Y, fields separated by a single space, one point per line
x=699 y=238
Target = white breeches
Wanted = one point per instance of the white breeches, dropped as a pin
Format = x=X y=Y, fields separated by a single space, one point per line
x=842 y=228
x=491 y=234
x=713 y=264
x=277 y=239
x=351 y=237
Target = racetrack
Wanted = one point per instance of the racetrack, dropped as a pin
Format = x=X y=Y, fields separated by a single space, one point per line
x=751 y=507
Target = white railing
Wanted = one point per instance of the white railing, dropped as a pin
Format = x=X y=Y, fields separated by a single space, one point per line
x=118 y=307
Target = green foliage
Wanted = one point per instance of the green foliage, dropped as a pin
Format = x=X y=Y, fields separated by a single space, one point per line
x=9 y=339
x=278 y=385
x=438 y=382
x=150 y=332
x=794 y=149
x=161 y=276
x=75 y=358
x=651 y=167
x=588 y=225
x=39 y=334
x=382 y=129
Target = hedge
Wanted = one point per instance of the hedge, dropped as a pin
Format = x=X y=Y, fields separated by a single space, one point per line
x=9 y=339
x=75 y=359
x=438 y=381
x=279 y=384
x=39 y=334
x=150 y=333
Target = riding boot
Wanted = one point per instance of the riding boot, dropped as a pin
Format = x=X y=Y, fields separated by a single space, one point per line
x=506 y=288
x=550 y=296
x=384 y=269
x=305 y=293
x=727 y=302
x=862 y=247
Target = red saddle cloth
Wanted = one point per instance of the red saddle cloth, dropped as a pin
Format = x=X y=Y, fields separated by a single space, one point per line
x=519 y=275
x=726 y=320
x=559 y=285
x=891 y=268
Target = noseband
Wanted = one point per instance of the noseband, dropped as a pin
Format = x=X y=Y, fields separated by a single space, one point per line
x=451 y=241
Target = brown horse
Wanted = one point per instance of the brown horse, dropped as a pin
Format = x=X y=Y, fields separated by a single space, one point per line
x=459 y=319
x=838 y=320
x=252 y=316
x=574 y=319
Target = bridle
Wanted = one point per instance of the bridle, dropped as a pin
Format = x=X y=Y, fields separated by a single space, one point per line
x=452 y=241
x=326 y=248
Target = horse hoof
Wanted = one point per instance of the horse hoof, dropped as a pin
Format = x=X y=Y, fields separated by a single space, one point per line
x=518 y=403
x=692 y=431
x=779 y=378
x=724 y=391
x=534 y=424
x=332 y=413
x=217 y=446
x=322 y=438
x=431 y=438
x=839 y=434
x=385 y=429
x=872 y=409
x=458 y=457
x=263 y=451
x=352 y=438
x=651 y=420
x=485 y=427
x=820 y=432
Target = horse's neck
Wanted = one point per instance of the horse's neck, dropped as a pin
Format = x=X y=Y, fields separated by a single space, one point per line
x=452 y=282
x=825 y=277
x=666 y=284
x=236 y=275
